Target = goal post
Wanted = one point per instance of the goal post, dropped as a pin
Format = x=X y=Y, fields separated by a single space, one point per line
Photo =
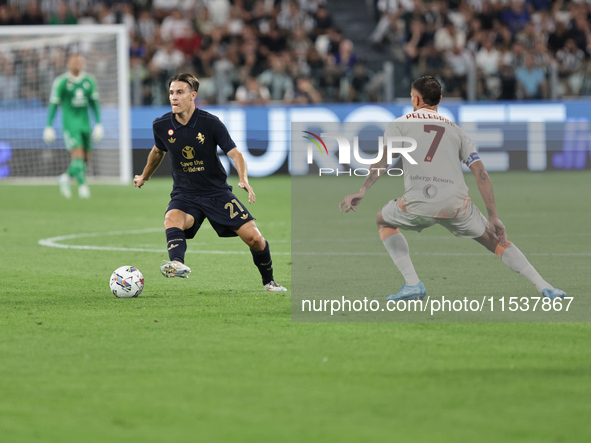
x=31 y=57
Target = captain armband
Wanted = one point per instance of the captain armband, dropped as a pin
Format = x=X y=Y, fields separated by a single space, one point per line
x=474 y=157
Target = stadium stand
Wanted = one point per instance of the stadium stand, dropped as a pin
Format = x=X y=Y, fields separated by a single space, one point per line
x=307 y=51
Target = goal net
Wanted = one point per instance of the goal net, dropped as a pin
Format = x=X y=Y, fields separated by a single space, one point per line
x=31 y=57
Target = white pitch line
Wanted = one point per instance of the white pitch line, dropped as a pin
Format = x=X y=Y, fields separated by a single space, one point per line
x=55 y=242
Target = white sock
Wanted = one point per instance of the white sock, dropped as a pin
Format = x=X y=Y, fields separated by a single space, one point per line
x=397 y=247
x=515 y=259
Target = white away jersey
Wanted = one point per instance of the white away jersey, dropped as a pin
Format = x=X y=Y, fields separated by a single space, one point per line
x=435 y=186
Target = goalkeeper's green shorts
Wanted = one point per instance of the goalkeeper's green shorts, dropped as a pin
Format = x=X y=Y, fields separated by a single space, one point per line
x=77 y=139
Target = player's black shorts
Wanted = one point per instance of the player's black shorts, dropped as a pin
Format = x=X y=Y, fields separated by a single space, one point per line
x=225 y=212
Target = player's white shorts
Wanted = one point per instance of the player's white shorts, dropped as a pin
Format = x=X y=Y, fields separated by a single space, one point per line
x=471 y=225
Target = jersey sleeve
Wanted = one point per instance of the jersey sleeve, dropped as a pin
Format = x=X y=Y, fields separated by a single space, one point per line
x=222 y=136
x=94 y=99
x=56 y=91
x=157 y=140
x=393 y=130
x=467 y=148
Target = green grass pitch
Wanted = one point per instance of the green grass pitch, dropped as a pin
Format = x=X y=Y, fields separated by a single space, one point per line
x=215 y=359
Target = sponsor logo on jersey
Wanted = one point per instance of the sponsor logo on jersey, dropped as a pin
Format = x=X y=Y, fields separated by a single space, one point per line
x=171 y=140
x=189 y=152
x=430 y=191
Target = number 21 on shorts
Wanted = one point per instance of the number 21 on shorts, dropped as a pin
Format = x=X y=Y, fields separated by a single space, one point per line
x=230 y=207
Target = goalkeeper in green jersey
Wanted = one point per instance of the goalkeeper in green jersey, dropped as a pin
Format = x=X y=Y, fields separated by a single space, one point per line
x=75 y=91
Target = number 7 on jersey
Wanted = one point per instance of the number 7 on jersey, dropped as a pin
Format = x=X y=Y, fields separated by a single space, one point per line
x=439 y=131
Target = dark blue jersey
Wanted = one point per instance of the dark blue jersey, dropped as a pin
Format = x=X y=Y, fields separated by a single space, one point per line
x=192 y=148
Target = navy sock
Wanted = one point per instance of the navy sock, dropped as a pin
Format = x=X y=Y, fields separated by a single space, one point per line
x=262 y=260
x=176 y=243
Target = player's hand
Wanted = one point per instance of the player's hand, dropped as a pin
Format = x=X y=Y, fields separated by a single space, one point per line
x=49 y=135
x=248 y=188
x=139 y=181
x=497 y=229
x=97 y=133
x=351 y=201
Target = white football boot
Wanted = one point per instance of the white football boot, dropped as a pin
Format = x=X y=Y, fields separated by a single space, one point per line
x=64 y=184
x=83 y=191
x=172 y=269
x=274 y=286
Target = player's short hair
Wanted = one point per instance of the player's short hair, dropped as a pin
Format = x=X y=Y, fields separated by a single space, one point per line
x=429 y=88
x=189 y=79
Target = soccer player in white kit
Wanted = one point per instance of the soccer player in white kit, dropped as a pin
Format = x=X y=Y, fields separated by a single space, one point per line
x=435 y=192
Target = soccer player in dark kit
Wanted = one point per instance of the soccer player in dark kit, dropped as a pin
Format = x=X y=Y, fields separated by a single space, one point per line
x=191 y=137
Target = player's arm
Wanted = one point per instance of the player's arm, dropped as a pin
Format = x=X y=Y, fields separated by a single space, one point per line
x=98 y=131
x=154 y=159
x=54 y=101
x=486 y=191
x=240 y=164
x=376 y=170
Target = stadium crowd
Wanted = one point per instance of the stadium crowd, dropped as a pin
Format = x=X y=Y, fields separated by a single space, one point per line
x=513 y=45
x=257 y=51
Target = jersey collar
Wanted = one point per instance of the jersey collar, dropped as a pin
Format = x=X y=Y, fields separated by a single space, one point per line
x=192 y=121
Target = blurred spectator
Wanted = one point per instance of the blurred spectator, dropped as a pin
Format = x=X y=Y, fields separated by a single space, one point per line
x=529 y=37
x=275 y=78
x=538 y=5
x=330 y=81
x=418 y=39
x=225 y=42
x=33 y=14
x=9 y=81
x=345 y=58
x=189 y=43
x=432 y=62
x=204 y=22
x=299 y=43
x=571 y=63
x=516 y=16
x=305 y=92
x=557 y=39
x=360 y=83
x=275 y=40
x=137 y=48
x=168 y=59
x=579 y=27
x=219 y=11
x=260 y=16
x=508 y=83
x=6 y=18
x=388 y=10
x=322 y=20
x=459 y=61
x=146 y=26
x=488 y=59
x=120 y=13
x=63 y=15
x=448 y=36
x=292 y=17
x=252 y=93
x=175 y=26
x=488 y=15
x=531 y=81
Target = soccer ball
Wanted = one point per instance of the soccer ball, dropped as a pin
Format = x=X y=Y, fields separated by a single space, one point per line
x=126 y=282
